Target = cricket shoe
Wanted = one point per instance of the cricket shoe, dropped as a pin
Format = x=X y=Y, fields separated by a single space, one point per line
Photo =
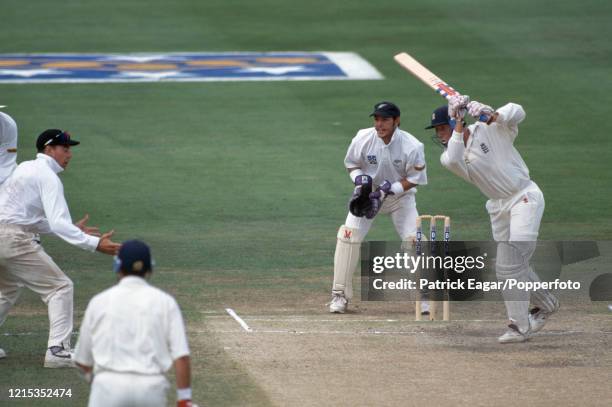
x=338 y=304
x=538 y=318
x=58 y=357
x=2 y=353
x=514 y=335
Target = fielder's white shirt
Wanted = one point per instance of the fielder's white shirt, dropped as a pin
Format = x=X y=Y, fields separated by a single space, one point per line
x=132 y=327
x=403 y=157
x=33 y=197
x=8 y=146
x=489 y=160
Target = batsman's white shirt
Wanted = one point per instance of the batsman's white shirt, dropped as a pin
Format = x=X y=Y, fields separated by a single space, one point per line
x=33 y=197
x=489 y=160
x=131 y=327
x=403 y=157
x=8 y=146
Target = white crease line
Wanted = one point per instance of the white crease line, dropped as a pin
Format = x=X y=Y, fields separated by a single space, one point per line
x=374 y=332
x=280 y=331
x=30 y=334
x=238 y=319
x=340 y=319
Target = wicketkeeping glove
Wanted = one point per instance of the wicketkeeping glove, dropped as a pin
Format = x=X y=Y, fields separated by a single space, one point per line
x=377 y=198
x=360 y=203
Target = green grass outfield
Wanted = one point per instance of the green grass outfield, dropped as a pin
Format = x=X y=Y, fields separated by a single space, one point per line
x=244 y=182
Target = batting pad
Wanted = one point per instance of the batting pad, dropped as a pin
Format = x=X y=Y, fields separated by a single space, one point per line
x=346 y=260
x=512 y=263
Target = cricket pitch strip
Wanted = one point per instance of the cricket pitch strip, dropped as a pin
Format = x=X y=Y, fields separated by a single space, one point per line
x=377 y=355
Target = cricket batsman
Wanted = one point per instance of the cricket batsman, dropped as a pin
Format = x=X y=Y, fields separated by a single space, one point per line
x=385 y=164
x=483 y=154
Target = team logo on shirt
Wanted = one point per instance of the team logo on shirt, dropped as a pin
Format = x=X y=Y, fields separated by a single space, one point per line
x=484 y=148
x=372 y=159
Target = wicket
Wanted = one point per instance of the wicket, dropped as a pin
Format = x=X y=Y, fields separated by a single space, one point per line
x=432 y=239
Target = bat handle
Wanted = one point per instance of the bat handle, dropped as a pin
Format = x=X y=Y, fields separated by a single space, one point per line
x=483 y=118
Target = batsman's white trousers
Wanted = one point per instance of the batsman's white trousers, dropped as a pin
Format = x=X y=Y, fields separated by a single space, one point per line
x=517 y=219
x=24 y=263
x=403 y=213
x=111 y=389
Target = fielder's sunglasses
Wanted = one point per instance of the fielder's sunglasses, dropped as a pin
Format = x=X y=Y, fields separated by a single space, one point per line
x=63 y=137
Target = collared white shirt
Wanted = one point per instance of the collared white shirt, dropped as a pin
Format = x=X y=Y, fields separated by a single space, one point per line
x=8 y=146
x=489 y=160
x=33 y=197
x=132 y=327
x=403 y=157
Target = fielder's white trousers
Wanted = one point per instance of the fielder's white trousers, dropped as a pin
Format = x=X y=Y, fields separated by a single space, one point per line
x=24 y=263
x=111 y=389
x=403 y=213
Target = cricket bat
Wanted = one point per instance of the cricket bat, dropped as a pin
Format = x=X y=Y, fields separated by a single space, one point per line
x=428 y=78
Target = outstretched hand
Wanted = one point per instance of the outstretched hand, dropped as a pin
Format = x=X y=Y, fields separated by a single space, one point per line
x=106 y=245
x=90 y=230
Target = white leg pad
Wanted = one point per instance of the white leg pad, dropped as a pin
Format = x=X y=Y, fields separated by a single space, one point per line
x=511 y=263
x=346 y=260
x=542 y=299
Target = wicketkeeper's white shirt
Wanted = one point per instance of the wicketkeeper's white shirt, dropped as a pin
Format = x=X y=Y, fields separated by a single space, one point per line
x=33 y=197
x=8 y=146
x=403 y=157
x=489 y=160
x=131 y=327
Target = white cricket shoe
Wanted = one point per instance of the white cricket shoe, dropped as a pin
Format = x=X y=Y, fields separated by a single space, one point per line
x=58 y=357
x=514 y=335
x=538 y=318
x=2 y=353
x=338 y=304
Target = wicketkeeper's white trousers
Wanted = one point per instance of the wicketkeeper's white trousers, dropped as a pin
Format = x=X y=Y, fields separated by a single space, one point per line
x=110 y=389
x=24 y=263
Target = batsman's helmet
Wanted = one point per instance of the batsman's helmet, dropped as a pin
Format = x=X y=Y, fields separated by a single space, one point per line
x=439 y=117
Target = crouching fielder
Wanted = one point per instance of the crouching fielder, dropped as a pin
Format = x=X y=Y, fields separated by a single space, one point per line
x=385 y=164
x=130 y=336
x=484 y=155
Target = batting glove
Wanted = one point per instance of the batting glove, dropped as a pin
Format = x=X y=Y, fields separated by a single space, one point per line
x=457 y=106
x=477 y=109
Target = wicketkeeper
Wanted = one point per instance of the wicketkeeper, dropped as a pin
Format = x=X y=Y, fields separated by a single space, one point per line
x=386 y=164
